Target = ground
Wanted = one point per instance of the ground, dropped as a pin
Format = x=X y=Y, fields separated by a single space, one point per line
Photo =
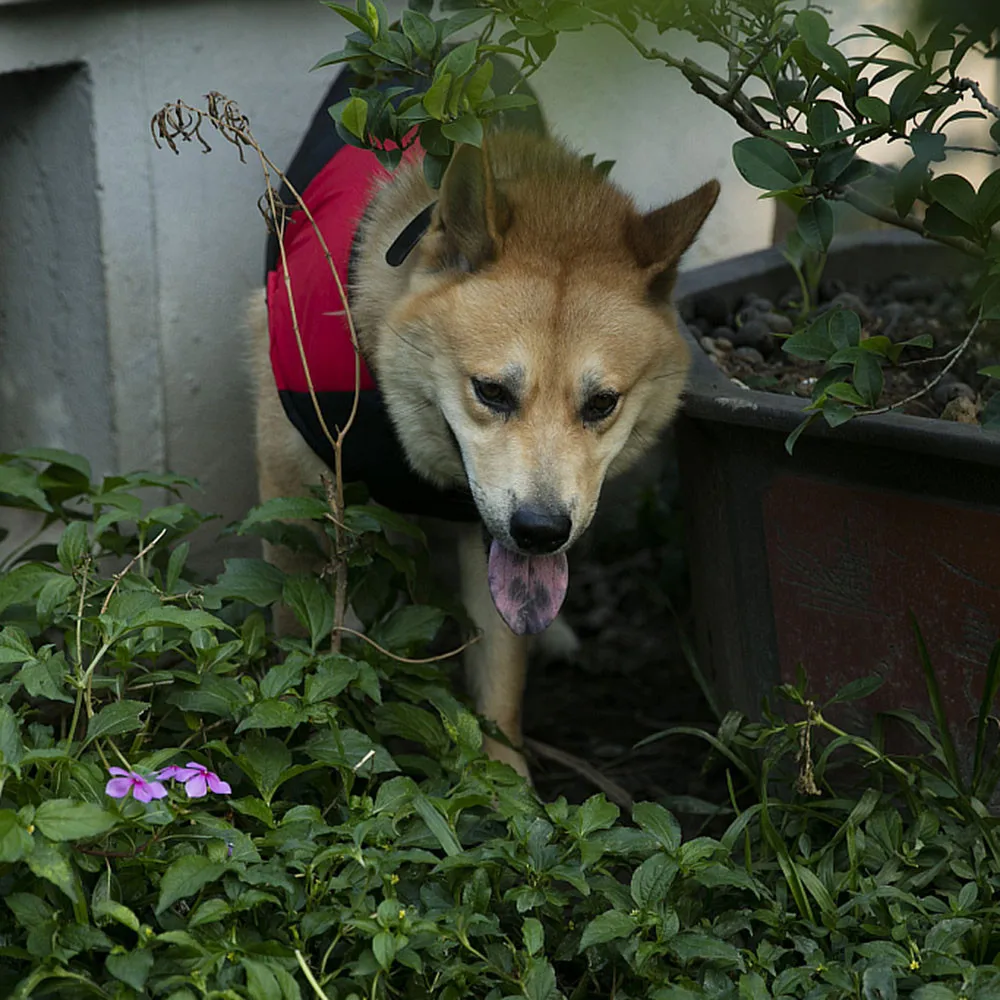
x=627 y=602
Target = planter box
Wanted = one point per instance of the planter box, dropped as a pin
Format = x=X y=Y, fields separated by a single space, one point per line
x=817 y=558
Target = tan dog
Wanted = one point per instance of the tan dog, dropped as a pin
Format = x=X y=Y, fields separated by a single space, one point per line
x=525 y=350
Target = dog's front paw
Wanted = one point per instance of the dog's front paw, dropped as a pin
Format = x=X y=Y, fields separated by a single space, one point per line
x=558 y=643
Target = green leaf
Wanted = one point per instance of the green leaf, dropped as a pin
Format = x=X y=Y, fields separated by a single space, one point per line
x=467 y=129
x=991 y=371
x=815 y=224
x=908 y=95
x=252 y=580
x=55 y=456
x=132 y=967
x=117 y=718
x=956 y=194
x=186 y=618
x=11 y=744
x=652 y=879
x=44 y=679
x=460 y=60
x=351 y=16
x=285 y=509
x=354 y=117
x=798 y=432
x=73 y=546
x=262 y=984
x=658 y=823
x=436 y=97
x=539 y=980
x=813 y=343
x=108 y=909
x=908 y=185
x=408 y=628
x=595 y=814
x=928 y=147
x=65 y=819
x=333 y=674
x=844 y=328
x=437 y=825
x=823 y=122
x=836 y=413
x=691 y=946
x=420 y=30
x=272 y=714
x=874 y=108
x=765 y=164
x=313 y=605
x=15 y=646
x=21 y=585
x=857 y=689
x=264 y=759
x=185 y=877
x=533 y=935
x=868 y=378
x=607 y=927
x=23 y=484
x=15 y=841
x=49 y=862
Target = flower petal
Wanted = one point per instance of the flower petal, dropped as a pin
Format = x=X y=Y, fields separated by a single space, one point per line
x=119 y=771
x=169 y=773
x=200 y=768
x=196 y=787
x=118 y=788
x=142 y=791
x=217 y=785
x=156 y=790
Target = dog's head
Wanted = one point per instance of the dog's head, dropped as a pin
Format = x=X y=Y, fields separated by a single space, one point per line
x=537 y=351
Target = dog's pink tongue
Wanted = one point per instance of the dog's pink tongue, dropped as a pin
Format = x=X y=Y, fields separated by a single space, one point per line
x=528 y=591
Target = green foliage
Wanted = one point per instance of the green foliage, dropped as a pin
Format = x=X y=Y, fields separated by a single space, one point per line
x=809 y=109
x=366 y=848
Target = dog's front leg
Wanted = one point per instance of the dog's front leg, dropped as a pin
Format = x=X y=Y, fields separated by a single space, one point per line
x=496 y=665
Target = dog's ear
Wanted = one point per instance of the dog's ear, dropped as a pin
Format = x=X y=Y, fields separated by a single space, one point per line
x=659 y=238
x=472 y=215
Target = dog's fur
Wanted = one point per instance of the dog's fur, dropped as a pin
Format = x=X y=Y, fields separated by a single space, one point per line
x=538 y=274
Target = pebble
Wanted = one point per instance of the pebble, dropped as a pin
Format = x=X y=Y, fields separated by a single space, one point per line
x=724 y=344
x=777 y=323
x=754 y=333
x=711 y=307
x=708 y=345
x=950 y=388
x=830 y=288
x=962 y=411
x=749 y=354
x=907 y=289
x=848 y=300
x=892 y=315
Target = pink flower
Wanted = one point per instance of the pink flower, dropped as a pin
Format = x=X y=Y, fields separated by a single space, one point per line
x=198 y=780
x=142 y=789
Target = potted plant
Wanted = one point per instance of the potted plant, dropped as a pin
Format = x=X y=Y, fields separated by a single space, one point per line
x=814 y=559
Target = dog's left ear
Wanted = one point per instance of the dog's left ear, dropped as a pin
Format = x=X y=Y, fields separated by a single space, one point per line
x=472 y=215
x=659 y=238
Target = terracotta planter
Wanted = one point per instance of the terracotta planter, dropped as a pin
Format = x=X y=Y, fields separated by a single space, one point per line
x=816 y=558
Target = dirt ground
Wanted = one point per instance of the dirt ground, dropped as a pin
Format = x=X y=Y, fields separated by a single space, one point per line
x=628 y=603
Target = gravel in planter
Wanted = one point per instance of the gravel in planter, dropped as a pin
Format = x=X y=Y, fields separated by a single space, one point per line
x=746 y=342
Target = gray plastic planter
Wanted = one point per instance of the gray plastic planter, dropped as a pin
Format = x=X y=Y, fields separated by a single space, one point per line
x=816 y=558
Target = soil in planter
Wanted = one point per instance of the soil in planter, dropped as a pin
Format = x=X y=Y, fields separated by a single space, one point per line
x=629 y=679
x=746 y=342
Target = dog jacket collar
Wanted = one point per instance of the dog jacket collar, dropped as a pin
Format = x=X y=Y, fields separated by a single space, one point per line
x=336 y=182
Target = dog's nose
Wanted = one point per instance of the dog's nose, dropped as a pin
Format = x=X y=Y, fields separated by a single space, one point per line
x=539 y=531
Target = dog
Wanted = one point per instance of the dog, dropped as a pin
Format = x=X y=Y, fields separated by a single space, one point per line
x=519 y=347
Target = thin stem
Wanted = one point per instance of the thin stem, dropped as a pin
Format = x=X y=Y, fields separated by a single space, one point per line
x=406 y=659
x=307 y=972
x=118 y=577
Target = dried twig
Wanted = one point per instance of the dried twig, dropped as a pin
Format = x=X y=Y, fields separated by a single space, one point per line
x=406 y=659
x=182 y=122
x=964 y=83
x=611 y=789
x=118 y=577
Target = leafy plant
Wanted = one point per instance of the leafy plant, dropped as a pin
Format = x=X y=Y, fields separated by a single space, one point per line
x=809 y=105
x=193 y=809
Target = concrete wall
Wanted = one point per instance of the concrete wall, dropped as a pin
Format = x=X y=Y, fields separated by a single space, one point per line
x=124 y=268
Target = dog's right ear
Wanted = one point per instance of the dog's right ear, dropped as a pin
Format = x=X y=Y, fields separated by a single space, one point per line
x=472 y=215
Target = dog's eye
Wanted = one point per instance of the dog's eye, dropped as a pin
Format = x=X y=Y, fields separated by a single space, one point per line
x=494 y=395
x=600 y=406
